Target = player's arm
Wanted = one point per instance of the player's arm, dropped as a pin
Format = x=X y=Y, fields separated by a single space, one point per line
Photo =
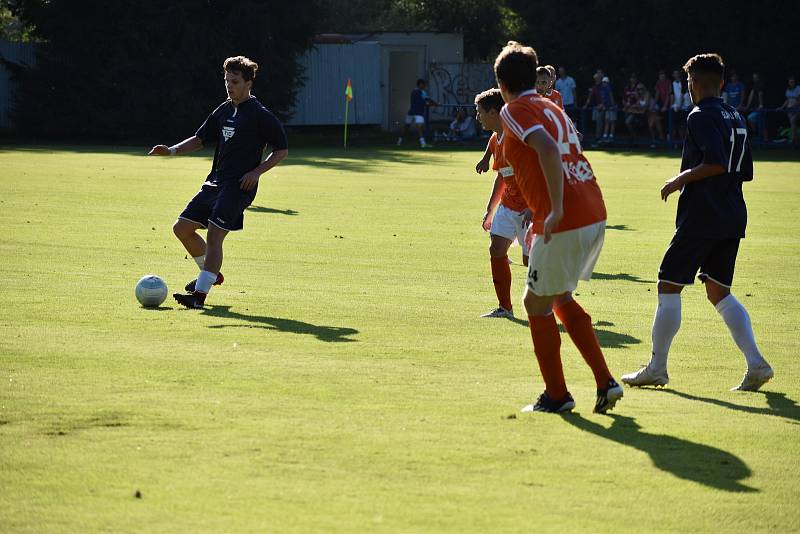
x=250 y=180
x=701 y=172
x=483 y=163
x=184 y=147
x=494 y=199
x=550 y=160
x=715 y=155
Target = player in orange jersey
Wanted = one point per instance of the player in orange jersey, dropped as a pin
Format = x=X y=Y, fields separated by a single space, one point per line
x=512 y=217
x=545 y=83
x=569 y=219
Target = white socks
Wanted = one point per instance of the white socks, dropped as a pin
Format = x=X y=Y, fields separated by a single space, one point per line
x=738 y=321
x=200 y=261
x=665 y=326
x=204 y=281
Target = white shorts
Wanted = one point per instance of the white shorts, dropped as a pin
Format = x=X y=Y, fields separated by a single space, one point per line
x=415 y=119
x=555 y=268
x=508 y=223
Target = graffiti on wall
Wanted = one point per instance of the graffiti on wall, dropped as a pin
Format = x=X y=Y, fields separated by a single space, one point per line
x=457 y=84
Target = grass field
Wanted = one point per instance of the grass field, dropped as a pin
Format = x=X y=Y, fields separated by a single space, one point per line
x=341 y=380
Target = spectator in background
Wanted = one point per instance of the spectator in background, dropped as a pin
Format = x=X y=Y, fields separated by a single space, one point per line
x=662 y=91
x=637 y=110
x=566 y=86
x=463 y=126
x=648 y=102
x=755 y=104
x=734 y=93
x=792 y=106
x=676 y=103
x=595 y=100
x=630 y=98
x=609 y=108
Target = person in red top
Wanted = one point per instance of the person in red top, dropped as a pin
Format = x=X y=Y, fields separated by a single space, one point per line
x=545 y=83
x=569 y=218
x=512 y=217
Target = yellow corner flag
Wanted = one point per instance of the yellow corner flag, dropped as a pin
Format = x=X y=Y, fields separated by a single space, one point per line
x=348 y=96
x=348 y=92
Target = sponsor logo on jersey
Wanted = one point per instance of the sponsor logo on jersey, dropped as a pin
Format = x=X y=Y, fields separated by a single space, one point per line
x=227 y=132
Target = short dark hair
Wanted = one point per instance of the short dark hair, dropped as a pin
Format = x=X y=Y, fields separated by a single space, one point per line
x=491 y=99
x=516 y=66
x=542 y=71
x=420 y=81
x=244 y=66
x=552 y=70
x=706 y=66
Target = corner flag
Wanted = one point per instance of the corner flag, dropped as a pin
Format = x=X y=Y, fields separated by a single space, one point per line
x=348 y=96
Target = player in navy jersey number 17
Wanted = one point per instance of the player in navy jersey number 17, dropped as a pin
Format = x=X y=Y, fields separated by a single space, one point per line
x=711 y=221
x=241 y=128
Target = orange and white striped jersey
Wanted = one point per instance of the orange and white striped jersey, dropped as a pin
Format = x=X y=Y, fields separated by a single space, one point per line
x=583 y=200
x=512 y=199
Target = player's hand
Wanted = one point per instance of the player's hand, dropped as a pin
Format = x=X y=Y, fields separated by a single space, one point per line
x=482 y=166
x=550 y=224
x=159 y=150
x=529 y=237
x=670 y=186
x=249 y=181
x=527 y=214
x=487 y=221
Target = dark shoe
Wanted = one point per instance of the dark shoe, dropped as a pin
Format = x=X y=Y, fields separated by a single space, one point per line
x=608 y=397
x=191 y=285
x=546 y=404
x=194 y=301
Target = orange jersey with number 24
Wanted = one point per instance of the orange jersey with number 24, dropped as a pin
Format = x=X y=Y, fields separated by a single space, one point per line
x=583 y=201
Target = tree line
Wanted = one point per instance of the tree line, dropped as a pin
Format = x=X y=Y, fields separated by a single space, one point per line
x=122 y=69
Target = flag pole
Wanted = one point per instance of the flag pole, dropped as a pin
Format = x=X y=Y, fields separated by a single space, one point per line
x=346 y=108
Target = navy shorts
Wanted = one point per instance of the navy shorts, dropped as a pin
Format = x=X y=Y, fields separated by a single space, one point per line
x=223 y=206
x=714 y=258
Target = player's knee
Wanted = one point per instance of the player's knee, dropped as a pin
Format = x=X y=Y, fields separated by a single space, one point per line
x=181 y=229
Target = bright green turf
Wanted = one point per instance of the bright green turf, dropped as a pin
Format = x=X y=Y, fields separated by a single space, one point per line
x=341 y=379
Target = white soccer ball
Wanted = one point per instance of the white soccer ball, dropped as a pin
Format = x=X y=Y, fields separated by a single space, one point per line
x=151 y=291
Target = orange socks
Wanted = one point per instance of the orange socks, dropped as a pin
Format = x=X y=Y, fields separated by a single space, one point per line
x=547 y=346
x=578 y=324
x=501 y=276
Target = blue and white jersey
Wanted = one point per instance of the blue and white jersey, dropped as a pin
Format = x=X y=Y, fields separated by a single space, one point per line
x=418 y=100
x=241 y=134
x=714 y=207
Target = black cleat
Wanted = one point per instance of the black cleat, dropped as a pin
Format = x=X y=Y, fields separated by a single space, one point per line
x=546 y=404
x=194 y=301
x=191 y=285
x=608 y=397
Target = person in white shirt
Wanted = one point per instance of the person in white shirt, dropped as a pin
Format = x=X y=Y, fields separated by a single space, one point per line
x=463 y=126
x=566 y=86
x=791 y=105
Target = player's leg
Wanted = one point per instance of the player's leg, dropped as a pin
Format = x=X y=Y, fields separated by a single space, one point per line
x=186 y=232
x=194 y=217
x=681 y=261
x=542 y=277
x=420 y=123
x=717 y=274
x=501 y=235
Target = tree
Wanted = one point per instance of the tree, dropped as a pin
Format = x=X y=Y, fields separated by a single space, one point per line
x=146 y=69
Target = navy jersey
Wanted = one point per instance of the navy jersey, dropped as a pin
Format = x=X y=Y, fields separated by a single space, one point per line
x=418 y=100
x=714 y=207
x=241 y=133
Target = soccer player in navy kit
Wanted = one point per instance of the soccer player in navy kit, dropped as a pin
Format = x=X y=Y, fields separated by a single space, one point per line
x=416 y=113
x=242 y=128
x=710 y=222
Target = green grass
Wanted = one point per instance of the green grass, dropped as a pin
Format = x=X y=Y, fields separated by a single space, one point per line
x=341 y=379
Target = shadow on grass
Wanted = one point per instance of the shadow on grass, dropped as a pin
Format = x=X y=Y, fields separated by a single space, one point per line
x=684 y=459
x=608 y=338
x=621 y=227
x=779 y=404
x=621 y=276
x=321 y=332
x=264 y=209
